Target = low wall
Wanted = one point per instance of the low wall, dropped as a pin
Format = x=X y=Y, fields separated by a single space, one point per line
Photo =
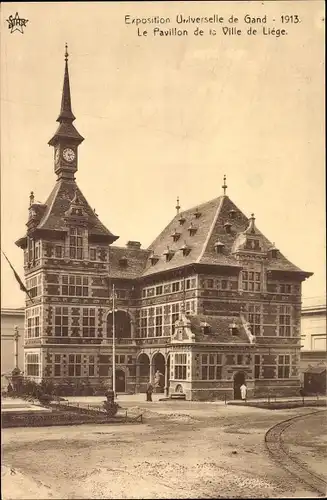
x=37 y=419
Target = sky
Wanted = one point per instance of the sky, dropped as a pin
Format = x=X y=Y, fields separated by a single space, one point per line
x=168 y=116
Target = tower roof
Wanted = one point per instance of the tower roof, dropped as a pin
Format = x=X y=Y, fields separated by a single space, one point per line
x=66 y=129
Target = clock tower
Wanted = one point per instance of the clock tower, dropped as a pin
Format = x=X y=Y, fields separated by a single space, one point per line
x=66 y=139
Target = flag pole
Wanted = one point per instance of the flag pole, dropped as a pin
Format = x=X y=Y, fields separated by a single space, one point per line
x=113 y=342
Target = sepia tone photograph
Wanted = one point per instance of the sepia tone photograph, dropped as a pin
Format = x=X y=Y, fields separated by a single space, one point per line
x=163 y=271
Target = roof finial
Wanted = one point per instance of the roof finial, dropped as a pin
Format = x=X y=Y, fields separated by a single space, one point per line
x=224 y=186
x=66 y=52
x=177 y=205
x=31 y=198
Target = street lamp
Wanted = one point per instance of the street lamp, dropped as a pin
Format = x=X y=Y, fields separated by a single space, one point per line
x=113 y=296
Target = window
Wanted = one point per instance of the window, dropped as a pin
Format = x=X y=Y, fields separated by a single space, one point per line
x=254 y=318
x=61 y=321
x=32 y=363
x=180 y=366
x=190 y=306
x=37 y=250
x=251 y=281
x=176 y=286
x=283 y=366
x=144 y=323
x=75 y=286
x=33 y=322
x=33 y=286
x=257 y=365
x=158 y=321
x=74 y=365
x=190 y=283
x=284 y=321
x=57 y=365
x=159 y=290
x=93 y=254
x=76 y=243
x=58 y=252
x=224 y=284
x=91 y=366
x=211 y=366
x=240 y=359
x=88 y=322
x=174 y=316
x=285 y=288
x=209 y=283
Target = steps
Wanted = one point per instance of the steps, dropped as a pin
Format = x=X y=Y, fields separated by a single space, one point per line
x=178 y=395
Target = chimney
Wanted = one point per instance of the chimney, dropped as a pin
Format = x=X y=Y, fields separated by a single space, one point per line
x=133 y=244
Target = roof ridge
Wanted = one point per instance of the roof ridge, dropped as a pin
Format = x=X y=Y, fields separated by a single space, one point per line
x=50 y=207
x=211 y=227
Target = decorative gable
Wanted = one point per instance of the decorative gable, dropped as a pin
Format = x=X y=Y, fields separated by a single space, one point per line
x=183 y=332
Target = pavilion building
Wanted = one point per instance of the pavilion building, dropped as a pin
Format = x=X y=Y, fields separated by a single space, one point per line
x=212 y=303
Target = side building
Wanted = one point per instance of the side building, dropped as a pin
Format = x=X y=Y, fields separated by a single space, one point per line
x=210 y=304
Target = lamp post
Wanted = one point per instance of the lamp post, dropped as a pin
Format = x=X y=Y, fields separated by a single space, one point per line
x=113 y=297
x=16 y=338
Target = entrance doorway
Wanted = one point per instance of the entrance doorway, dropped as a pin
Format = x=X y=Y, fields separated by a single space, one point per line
x=239 y=379
x=120 y=381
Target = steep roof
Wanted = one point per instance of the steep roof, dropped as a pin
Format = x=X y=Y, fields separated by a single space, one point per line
x=219 y=329
x=58 y=204
x=203 y=228
x=133 y=266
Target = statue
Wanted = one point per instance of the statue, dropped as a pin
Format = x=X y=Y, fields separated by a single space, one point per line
x=157 y=381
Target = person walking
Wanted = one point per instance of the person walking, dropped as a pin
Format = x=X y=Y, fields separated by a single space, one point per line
x=243 y=392
x=149 y=391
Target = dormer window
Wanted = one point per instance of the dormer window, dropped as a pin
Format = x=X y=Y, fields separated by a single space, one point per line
x=232 y=214
x=192 y=230
x=153 y=259
x=168 y=254
x=219 y=247
x=123 y=262
x=234 y=329
x=175 y=235
x=181 y=220
x=252 y=244
x=228 y=227
x=274 y=252
x=205 y=327
x=197 y=214
x=185 y=249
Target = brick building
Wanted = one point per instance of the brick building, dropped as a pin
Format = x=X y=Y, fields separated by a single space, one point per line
x=211 y=303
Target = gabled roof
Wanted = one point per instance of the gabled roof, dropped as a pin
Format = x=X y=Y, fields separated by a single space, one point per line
x=58 y=204
x=203 y=226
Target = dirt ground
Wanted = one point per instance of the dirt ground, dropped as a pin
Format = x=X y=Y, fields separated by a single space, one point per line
x=183 y=450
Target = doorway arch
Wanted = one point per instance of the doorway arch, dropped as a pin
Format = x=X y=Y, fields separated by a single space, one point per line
x=239 y=379
x=120 y=378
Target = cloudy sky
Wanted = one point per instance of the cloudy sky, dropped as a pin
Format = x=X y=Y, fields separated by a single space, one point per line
x=168 y=116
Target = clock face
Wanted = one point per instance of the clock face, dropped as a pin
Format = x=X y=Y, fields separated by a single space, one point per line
x=68 y=155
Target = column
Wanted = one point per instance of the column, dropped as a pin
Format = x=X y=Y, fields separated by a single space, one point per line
x=137 y=381
x=166 y=379
x=151 y=372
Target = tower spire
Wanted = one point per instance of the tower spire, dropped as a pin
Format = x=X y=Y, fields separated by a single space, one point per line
x=66 y=103
x=66 y=130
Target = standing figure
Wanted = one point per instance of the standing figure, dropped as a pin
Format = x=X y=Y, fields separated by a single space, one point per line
x=243 y=391
x=149 y=391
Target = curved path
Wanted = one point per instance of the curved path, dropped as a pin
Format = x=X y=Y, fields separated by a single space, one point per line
x=274 y=444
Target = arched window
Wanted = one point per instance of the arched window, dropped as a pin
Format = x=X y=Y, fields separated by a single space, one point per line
x=122 y=325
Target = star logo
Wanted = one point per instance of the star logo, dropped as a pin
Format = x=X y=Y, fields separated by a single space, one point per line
x=16 y=23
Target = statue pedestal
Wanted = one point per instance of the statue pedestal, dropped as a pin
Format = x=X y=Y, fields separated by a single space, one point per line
x=158 y=390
